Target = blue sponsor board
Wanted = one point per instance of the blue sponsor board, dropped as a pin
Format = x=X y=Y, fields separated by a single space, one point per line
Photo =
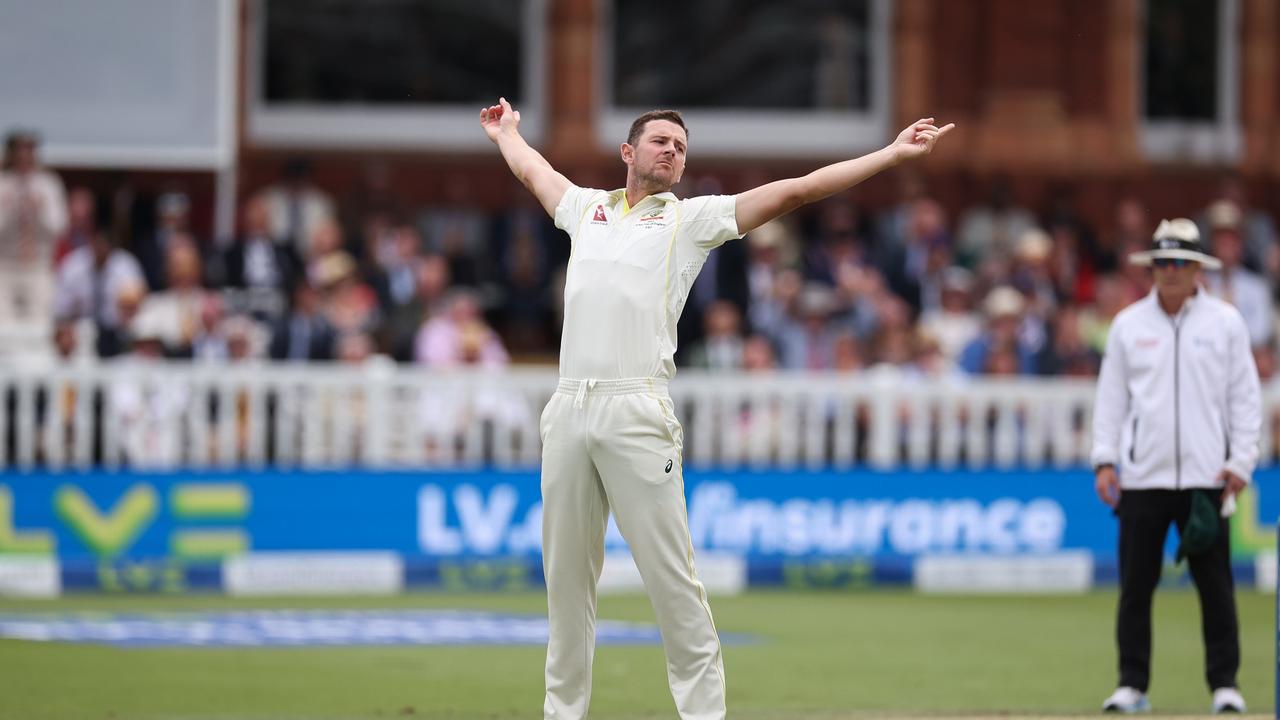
x=463 y=530
x=295 y=628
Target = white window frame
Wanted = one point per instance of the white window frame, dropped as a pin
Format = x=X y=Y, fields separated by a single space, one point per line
x=434 y=127
x=1217 y=141
x=218 y=156
x=762 y=133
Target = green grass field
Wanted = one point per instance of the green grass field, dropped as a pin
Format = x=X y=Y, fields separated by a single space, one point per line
x=820 y=655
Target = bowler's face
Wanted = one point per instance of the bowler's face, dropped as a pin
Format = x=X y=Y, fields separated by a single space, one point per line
x=660 y=153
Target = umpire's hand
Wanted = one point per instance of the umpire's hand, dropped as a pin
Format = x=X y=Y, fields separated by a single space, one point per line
x=1107 y=483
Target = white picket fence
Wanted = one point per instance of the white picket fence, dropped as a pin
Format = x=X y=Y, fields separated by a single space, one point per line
x=185 y=415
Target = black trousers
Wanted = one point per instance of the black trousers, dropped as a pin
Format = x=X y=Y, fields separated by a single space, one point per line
x=1145 y=516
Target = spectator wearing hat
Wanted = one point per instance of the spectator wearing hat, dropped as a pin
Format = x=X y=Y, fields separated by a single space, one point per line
x=33 y=215
x=1256 y=228
x=347 y=303
x=807 y=340
x=954 y=323
x=1176 y=426
x=1003 y=307
x=1234 y=282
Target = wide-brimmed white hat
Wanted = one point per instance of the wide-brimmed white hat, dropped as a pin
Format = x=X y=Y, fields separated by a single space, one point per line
x=1176 y=239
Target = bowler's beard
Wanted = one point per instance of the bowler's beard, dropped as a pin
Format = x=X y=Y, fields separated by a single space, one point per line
x=653 y=182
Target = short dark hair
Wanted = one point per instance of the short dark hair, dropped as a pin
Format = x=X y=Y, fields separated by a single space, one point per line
x=637 y=127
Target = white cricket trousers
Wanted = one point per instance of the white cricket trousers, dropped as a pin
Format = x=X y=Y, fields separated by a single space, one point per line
x=616 y=445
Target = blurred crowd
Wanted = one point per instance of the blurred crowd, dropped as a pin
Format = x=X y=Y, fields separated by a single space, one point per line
x=996 y=289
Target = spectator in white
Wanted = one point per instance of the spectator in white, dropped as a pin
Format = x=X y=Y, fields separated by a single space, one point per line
x=1256 y=228
x=295 y=206
x=440 y=341
x=90 y=280
x=954 y=323
x=177 y=309
x=33 y=214
x=82 y=222
x=1235 y=283
x=256 y=267
x=1001 y=344
x=990 y=230
x=721 y=345
x=147 y=407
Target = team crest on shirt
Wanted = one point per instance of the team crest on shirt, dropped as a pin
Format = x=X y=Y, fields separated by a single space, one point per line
x=600 y=217
x=653 y=216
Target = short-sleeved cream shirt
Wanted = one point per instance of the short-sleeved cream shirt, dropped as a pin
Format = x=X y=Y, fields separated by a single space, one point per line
x=630 y=271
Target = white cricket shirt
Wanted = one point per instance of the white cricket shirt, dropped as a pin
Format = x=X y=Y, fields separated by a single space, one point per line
x=630 y=270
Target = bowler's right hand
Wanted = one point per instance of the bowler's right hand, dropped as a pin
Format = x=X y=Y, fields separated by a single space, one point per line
x=499 y=118
x=1107 y=483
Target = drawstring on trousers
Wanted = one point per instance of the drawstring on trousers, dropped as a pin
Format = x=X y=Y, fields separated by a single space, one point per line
x=581 y=397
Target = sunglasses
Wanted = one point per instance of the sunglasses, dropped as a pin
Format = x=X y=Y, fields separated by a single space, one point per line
x=1171 y=262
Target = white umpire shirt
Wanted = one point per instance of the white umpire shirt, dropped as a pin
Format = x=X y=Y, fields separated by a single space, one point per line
x=1178 y=398
x=630 y=271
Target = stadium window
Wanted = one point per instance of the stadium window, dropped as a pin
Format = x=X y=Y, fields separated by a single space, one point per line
x=391 y=73
x=1189 y=80
x=752 y=77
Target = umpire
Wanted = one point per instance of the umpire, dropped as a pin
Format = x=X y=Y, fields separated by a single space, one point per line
x=1178 y=393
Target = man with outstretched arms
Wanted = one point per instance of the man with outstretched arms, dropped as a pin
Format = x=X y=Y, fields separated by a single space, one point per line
x=611 y=440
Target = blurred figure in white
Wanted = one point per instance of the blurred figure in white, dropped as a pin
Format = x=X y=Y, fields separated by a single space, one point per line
x=89 y=282
x=954 y=323
x=1234 y=282
x=147 y=406
x=33 y=215
x=295 y=206
x=178 y=308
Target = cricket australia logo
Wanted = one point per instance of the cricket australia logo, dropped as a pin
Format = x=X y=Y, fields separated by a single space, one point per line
x=600 y=217
x=653 y=216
